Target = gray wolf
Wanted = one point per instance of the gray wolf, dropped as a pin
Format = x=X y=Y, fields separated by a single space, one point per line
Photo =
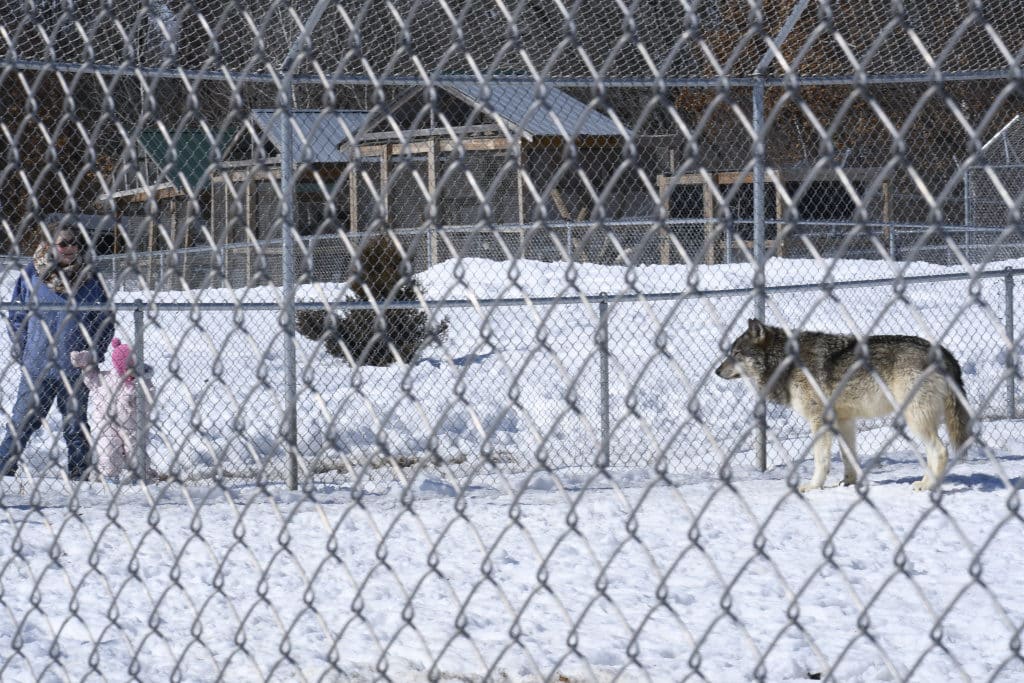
x=827 y=380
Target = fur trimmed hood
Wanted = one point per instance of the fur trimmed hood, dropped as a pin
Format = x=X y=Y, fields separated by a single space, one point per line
x=61 y=279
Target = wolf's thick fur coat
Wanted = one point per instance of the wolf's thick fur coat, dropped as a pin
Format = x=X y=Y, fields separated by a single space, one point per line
x=819 y=373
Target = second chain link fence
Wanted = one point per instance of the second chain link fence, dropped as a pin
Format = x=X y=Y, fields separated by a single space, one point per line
x=565 y=383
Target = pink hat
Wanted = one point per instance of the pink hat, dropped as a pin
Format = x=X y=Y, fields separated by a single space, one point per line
x=121 y=356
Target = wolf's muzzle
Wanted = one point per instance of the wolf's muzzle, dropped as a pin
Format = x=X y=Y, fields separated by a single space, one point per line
x=727 y=370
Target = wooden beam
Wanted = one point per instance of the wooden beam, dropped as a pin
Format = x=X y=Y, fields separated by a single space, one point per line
x=251 y=174
x=419 y=148
x=403 y=137
x=686 y=179
x=328 y=173
x=783 y=175
x=479 y=145
x=563 y=210
x=581 y=141
x=141 y=194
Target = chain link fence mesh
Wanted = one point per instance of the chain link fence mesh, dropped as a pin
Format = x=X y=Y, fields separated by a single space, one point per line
x=379 y=340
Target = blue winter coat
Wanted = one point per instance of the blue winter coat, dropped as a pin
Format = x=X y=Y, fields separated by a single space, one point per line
x=31 y=329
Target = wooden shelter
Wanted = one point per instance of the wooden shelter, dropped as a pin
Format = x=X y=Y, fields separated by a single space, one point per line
x=826 y=201
x=475 y=157
x=477 y=163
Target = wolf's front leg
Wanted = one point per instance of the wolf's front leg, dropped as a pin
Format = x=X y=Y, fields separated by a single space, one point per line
x=822 y=456
x=848 y=450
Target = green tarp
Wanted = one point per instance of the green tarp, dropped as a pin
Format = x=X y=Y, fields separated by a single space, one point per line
x=187 y=161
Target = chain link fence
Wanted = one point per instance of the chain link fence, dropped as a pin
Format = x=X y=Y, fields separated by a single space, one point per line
x=357 y=340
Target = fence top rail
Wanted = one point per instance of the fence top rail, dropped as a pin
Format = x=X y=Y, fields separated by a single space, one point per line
x=273 y=75
x=898 y=284
x=514 y=228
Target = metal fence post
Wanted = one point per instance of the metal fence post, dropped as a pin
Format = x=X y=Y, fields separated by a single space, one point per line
x=141 y=390
x=1011 y=352
x=290 y=426
x=287 y=210
x=288 y=66
x=759 y=170
x=604 y=457
x=760 y=410
x=759 y=222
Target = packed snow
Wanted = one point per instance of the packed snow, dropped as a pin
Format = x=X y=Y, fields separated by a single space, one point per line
x=454 y=524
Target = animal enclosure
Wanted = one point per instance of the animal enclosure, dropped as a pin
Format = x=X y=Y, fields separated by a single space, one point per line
x=433 y=294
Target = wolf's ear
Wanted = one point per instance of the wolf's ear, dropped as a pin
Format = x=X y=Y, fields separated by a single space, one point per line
x=756 y=330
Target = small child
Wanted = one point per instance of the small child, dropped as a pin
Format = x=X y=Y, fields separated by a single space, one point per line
x=112 y=408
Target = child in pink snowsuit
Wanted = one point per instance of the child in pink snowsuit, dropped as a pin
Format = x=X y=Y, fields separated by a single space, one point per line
x=112 y=408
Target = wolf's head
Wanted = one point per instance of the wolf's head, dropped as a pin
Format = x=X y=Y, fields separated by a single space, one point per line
x=748 y=355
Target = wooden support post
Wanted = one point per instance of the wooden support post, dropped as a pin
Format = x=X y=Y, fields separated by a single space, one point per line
x=433 y=209
x=249 y=218
x=887 y=235
x=563 y=211
x=385 y=160
x=151 y=238
x=173 y=231
x=353 y=199
x=709 y=226
x=151 y=255
x=664 y=243
x=520 y=198
x=780 y=212
x=247 y=208
x=180 y=236
x=220 y=232
x=521 y=202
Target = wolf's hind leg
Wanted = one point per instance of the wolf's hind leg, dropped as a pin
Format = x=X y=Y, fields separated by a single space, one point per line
x=822 y=455
x=938 y=457
x=848 y=450
x=925 y=426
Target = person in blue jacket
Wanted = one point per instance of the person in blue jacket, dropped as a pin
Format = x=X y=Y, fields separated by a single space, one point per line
x=42 y=340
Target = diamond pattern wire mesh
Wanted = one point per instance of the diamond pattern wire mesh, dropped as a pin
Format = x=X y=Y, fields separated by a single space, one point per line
x=422 y=305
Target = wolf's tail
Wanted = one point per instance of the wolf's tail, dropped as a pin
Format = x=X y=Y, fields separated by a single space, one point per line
x=957 y=417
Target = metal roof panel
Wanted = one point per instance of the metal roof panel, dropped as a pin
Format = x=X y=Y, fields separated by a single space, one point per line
x=521 y=104
x=317 y=134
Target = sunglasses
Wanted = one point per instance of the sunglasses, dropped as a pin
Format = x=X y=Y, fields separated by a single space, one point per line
x=64 y=244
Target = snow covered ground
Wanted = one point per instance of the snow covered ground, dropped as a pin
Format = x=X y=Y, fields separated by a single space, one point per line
x=546 y=577
x=533 y=564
